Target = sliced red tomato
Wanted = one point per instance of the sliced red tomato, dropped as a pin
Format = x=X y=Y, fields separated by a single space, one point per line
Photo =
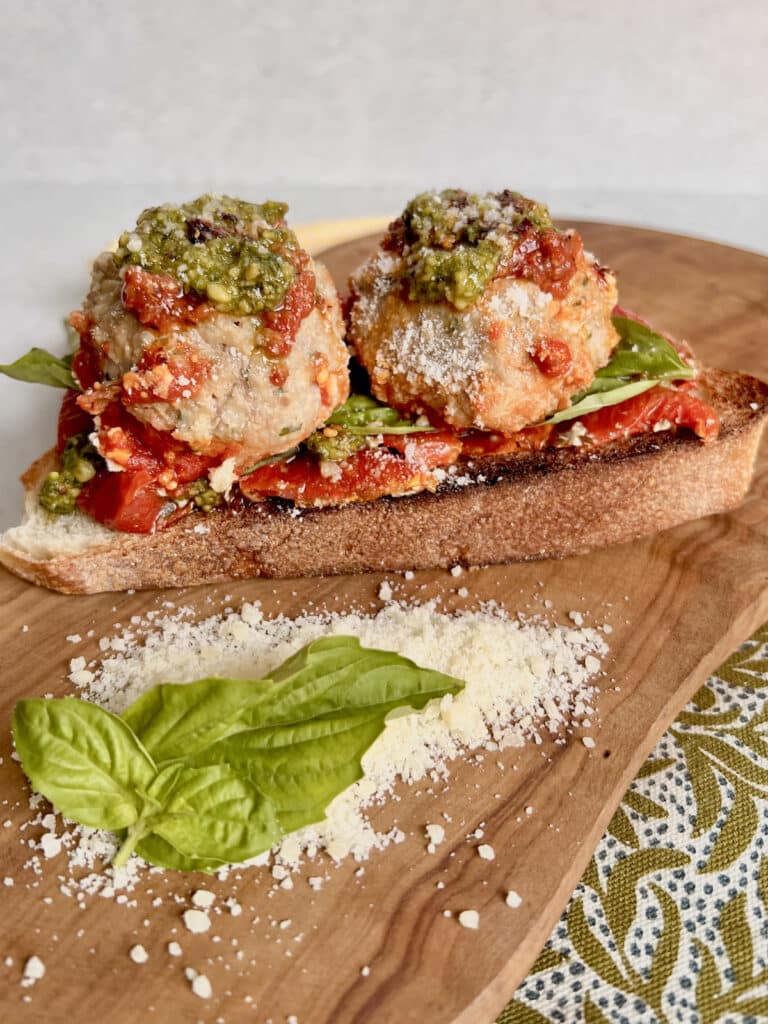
x=677 y=407
x=401 y=465
x=137 y=446
x=123 y=501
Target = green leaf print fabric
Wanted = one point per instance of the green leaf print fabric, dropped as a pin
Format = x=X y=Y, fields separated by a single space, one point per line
x=670 y=920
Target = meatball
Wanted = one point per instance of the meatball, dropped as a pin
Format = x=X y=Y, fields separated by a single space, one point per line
x=224 y=390
x=478 y=313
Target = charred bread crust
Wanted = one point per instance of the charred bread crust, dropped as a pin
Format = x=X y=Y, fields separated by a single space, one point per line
x=548 y=504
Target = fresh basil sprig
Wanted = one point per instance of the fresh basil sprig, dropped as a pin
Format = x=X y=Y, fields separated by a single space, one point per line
x=362 y=414
x=641 y=360
x=40 y=367
x=195 y=775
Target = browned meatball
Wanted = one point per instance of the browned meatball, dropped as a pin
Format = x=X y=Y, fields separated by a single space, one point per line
x=248 y=400
x=496 y=354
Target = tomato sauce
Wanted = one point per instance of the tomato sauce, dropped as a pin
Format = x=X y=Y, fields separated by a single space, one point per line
x=165 y=372
x=158 y=300
x=281 y=325
x=548 y=258
x=552 y=356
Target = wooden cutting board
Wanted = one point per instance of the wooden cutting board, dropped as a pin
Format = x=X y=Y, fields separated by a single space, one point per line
x=678 y=604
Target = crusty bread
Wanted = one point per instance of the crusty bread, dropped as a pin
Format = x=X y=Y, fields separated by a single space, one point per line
x=511 y=508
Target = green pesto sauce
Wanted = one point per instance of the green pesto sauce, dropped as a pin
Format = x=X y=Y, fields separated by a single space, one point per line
x=201 y=494
x=335 y=449
x=454 y=241
x=61 y=488
x=233 y=253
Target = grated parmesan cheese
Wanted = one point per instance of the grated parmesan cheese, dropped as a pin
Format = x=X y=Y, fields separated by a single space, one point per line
x=469 y=919
x=522 y=677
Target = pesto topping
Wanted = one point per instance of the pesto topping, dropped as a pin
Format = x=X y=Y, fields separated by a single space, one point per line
x=61 y=488
x=235 y=254
x=454 y=240
x=349 y=428
x=201 y=494
x=334 y=444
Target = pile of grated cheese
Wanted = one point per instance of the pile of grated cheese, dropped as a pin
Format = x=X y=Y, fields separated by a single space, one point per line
x=523 y=677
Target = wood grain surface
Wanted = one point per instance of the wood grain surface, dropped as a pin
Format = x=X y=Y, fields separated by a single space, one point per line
x=678 y=604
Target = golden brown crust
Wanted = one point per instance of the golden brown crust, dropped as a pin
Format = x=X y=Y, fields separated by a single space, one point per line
x=540 y=505
x=481 y=367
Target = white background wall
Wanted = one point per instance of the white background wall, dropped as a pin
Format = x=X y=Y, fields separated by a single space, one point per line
x=659 y=94
x=643 y=112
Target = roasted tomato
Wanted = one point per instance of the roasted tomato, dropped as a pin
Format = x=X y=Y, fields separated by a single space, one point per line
x=72 y=420
x=401 y=465
x=548 y=258
x=123 y=501
x=136 y=446
x=552 y=356
x=476 y=443
x=153 y=465
x=659 y=408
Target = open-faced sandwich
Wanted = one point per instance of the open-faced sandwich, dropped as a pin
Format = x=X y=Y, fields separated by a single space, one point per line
x=498 y=405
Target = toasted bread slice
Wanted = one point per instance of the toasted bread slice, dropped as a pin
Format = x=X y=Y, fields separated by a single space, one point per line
x=548 y=504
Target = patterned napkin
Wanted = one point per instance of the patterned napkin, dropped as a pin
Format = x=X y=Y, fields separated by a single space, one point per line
x=670 y=920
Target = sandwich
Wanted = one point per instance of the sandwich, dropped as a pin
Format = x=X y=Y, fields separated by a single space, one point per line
x=479 y=397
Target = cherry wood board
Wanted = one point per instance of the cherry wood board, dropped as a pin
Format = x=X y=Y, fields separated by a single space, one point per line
x=678 y=604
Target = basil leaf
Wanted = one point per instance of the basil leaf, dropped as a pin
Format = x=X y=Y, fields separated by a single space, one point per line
x=86 y=761
x=157 y=851
x=591 y=402
x=211 y=813
x=237 y=762
x=282 y=457
x=305 y=737
x=328 y=676
x=179 y=719
x=643 y=352
x=336 y=674
x=363 y=415
x=641 y=360
x=40 y=367
x=300 y=768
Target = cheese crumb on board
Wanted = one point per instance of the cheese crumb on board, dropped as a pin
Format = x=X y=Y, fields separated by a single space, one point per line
x=201 y=986
x=34 y=970
x=486 y=852
x=174 y=949
x=203 y=898
x=469 y=919
x=196 y=921
x=512 y=899
x=138 y=954
x=435 y=834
